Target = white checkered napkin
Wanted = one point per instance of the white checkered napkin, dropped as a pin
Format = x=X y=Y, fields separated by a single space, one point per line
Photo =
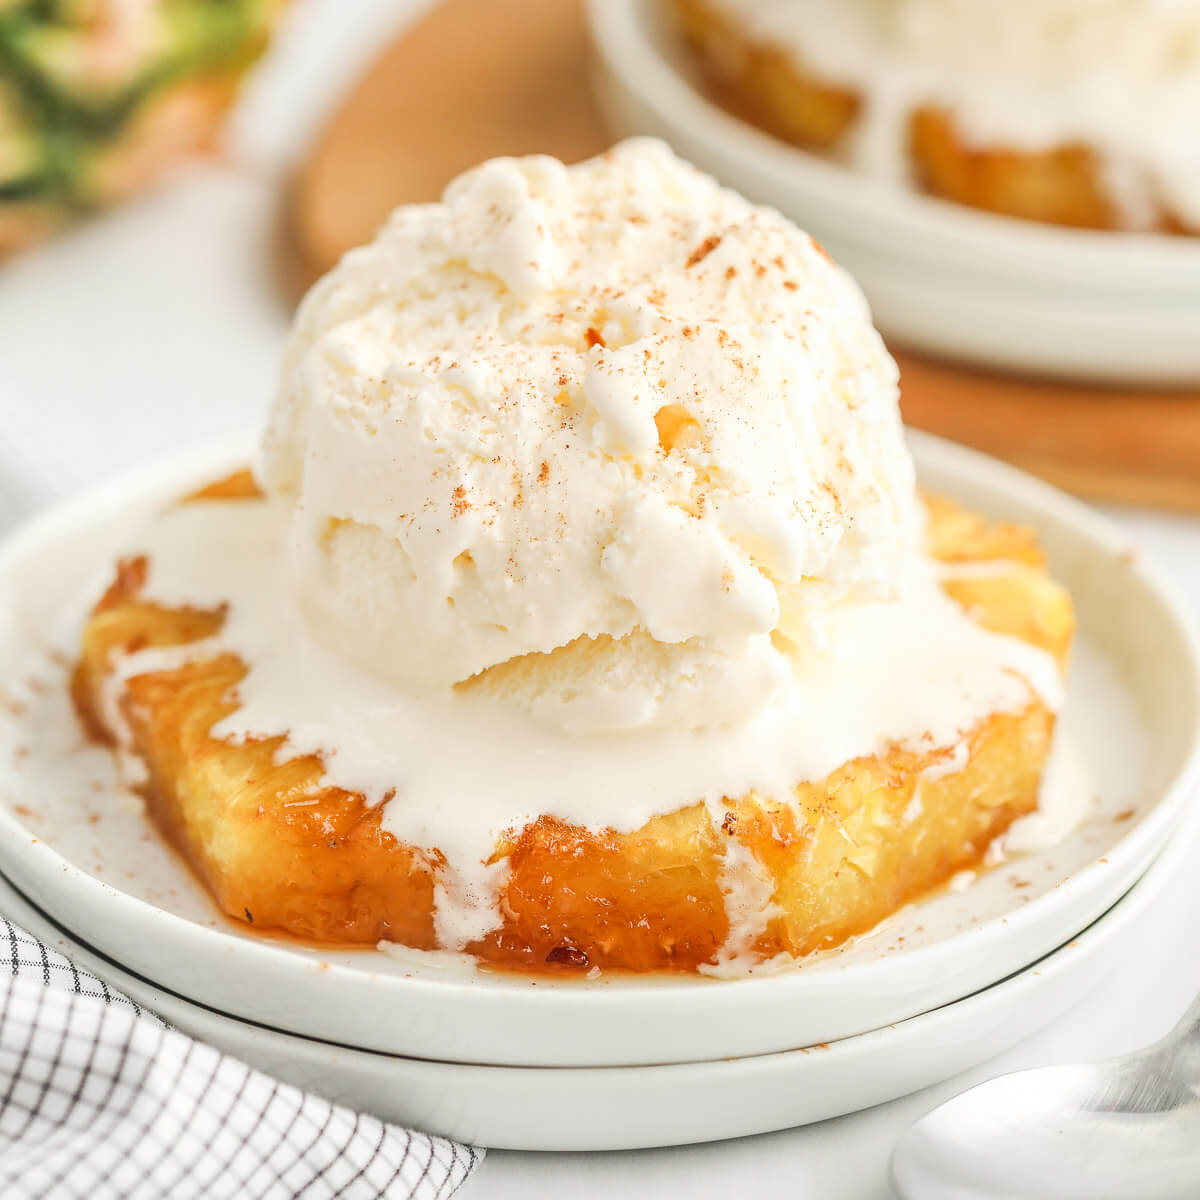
x=100 y=1100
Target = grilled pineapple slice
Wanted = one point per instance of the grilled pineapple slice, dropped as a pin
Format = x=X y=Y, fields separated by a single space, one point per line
x=281 y=850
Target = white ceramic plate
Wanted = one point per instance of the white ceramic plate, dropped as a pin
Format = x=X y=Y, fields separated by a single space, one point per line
x=82 y=850
x=940 y=277
x=615 y=1108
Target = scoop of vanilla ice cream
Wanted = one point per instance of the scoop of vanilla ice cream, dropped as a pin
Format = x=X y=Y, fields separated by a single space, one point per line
x=605 y=440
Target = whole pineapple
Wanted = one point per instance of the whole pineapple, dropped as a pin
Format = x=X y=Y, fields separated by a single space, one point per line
x=98 y=96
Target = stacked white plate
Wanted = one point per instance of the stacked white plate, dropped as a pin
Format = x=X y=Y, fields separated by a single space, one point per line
x=614 y=1061
x=940 y=277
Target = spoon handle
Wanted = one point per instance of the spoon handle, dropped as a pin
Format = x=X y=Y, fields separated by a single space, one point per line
x=1188 y=1026
x=1182 y=1044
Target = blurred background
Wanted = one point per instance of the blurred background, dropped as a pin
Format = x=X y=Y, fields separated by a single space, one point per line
x=173 y=173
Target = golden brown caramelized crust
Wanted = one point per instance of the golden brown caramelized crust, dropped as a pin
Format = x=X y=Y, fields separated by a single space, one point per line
x=1061 y=186
x=278 y=848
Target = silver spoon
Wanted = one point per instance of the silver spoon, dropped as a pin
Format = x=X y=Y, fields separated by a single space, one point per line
x=1123 y=1129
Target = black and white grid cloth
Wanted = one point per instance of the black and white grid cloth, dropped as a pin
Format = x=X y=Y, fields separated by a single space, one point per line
x=101 y=1100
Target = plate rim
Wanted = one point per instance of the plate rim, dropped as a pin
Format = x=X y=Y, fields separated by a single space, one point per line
x=724 y=998
x=269 y=1049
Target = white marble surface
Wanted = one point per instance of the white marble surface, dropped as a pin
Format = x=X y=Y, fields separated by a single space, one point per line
x=160 y=325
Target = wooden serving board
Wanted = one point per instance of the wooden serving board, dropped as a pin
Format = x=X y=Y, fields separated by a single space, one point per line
x=476 y=78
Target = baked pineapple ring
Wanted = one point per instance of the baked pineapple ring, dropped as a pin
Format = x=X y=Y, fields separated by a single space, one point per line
x=280 y=850
x=1060 y=186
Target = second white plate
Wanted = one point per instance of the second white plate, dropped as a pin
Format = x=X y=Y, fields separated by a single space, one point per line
x=82 y=850
x=940 y=277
